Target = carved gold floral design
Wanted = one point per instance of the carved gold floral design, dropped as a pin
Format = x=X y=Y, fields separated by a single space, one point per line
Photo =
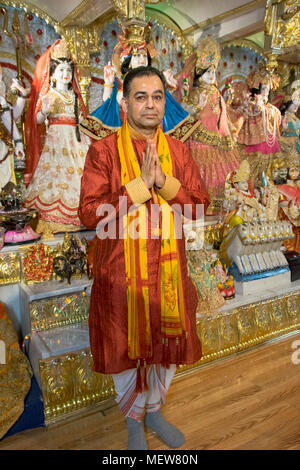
x=247 y=326
x=69 y=384
x=10 y=268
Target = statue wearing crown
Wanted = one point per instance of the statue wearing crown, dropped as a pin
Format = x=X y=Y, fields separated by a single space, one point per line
x=11 y=142
x=212 y=139
x=260 y=133
x=290 y=124
x=287 y=174
x=56 y=149
x=134 y=49
x=241 y=201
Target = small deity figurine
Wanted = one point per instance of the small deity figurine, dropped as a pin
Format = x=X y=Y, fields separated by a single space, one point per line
x=11 y=143
x=293 y=175
x=241 y=202
x=260 y=132
x=130 y=52
x=56 y=149
x=290 y=201
x=225 y=281
x=70 y=259
x=212 y=138
x=201 y=271
x=290 y=123
x=278 y=170
x=37 y=264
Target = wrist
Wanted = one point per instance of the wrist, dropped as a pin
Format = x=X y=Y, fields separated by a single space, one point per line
x=161 y=184
x=149 y=186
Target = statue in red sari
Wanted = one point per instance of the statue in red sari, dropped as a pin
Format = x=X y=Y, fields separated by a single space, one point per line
x=56 y=149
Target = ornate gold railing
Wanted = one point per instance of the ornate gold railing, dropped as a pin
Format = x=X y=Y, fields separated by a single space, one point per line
x=69 y=385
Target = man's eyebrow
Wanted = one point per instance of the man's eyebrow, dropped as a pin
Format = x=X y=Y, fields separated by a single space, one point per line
x=145 y=93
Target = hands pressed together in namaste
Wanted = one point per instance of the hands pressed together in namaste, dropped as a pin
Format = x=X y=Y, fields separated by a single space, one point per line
x=151 y=170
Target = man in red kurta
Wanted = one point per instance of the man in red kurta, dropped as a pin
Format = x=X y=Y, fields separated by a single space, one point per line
x=143 y=304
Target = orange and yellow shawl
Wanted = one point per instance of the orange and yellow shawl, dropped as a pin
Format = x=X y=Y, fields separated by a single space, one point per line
x=173 y=323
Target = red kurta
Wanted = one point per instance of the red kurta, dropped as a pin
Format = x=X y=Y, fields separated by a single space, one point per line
x=108 y=319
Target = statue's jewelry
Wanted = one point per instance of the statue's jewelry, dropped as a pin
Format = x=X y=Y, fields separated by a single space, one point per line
x=67 y=98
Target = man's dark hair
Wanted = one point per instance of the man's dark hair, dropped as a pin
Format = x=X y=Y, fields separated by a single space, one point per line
x=141 y=72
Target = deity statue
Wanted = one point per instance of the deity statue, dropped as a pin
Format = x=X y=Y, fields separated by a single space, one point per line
x=212 y=138
x=201 y=270
x=56 y=149
x=241 y=201
x=252 y=245
x=260 y=132
x=130 y=52
x=289 y=206
x=290 y=122
x=11 y=143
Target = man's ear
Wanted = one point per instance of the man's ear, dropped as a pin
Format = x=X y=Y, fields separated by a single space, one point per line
x=124 y=105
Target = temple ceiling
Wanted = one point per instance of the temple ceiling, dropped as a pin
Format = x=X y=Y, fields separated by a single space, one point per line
x=226 y=20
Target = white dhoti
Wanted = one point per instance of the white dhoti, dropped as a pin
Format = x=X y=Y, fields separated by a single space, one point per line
x=133 y=404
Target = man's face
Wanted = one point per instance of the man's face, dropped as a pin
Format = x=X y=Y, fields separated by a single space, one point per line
x=145 y=105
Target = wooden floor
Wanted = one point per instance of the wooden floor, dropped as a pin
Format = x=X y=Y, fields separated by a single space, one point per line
x=249 y=401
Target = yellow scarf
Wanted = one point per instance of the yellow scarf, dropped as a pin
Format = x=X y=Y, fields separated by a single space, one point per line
x=135 y=250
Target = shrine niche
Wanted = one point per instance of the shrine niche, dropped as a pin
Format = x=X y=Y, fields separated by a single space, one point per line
x=238 y=59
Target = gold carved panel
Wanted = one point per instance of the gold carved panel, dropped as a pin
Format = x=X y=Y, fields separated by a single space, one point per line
x=62 y=310
x=10 y=268
x=69 y=384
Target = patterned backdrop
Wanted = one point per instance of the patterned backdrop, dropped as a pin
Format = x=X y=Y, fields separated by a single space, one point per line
x=236 y=61
x=165 y=42
x=42 y=36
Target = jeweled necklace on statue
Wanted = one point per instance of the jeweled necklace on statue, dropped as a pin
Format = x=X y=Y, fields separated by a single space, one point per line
x=270 y=137
x=66 y=96
x=210 y=89
x=254 y=114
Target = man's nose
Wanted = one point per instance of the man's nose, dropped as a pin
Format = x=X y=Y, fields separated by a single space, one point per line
x=150 y=102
